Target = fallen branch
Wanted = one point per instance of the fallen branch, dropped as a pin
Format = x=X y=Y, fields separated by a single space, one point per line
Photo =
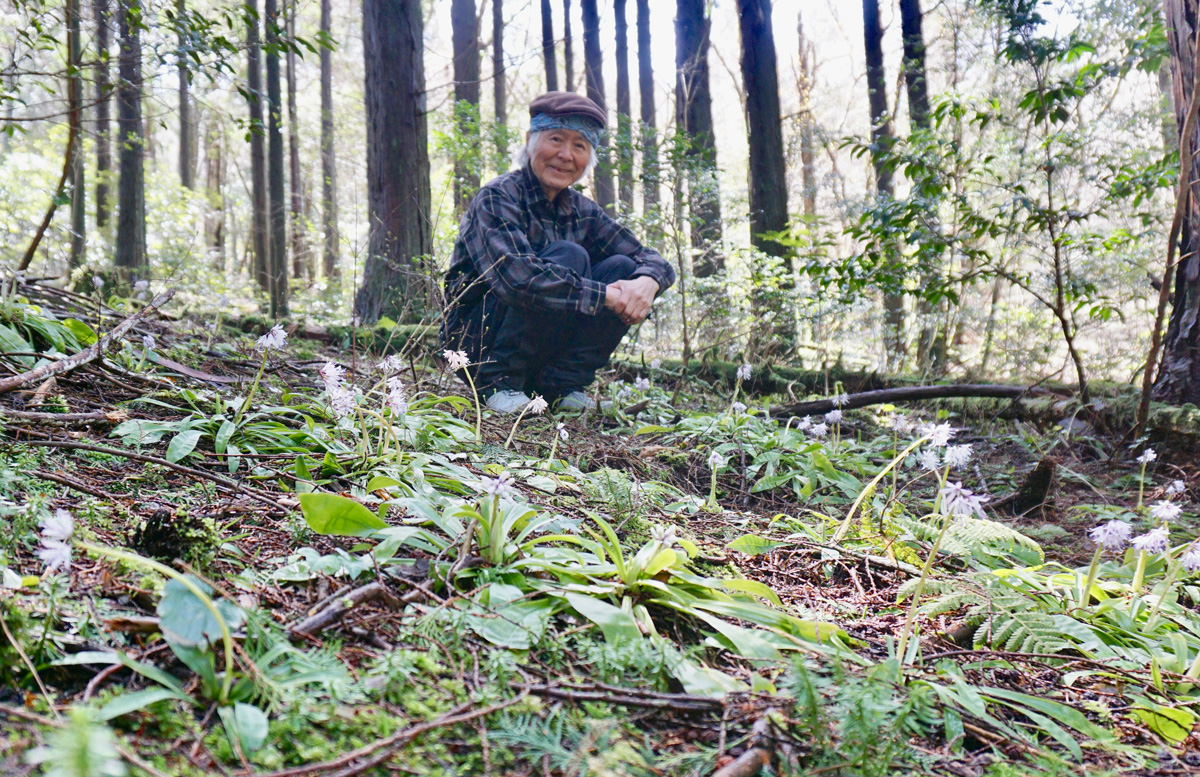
x=91 y=353
x=908 y=394
x=756 y=756
x=629 y=697
x=343 y=603
x=96 y=416
x=47 y=441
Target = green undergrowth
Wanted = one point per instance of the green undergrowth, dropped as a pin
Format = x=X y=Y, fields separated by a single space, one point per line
x=555 y=568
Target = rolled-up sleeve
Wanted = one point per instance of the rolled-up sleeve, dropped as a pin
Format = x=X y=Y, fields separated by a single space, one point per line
x=496 y=241
x=607 y=237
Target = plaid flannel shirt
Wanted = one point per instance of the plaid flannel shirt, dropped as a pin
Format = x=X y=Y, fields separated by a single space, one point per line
x=510 y=220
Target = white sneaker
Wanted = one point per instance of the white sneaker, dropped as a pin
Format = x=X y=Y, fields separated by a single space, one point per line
x=508 y=401
x=577 y=401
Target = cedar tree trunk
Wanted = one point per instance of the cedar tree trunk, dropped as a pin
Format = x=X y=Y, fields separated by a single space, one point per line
x=693 y=117
x=594 y=73
x=130 y=254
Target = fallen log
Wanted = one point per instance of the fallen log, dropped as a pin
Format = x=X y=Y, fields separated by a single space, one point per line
x=89 y=354
x=907 y=394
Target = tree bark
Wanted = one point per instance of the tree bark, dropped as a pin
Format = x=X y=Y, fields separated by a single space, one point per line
x=187 y=173
x=75 y=101
x=593 y=65
x=624 y=128
x=398 y=202
x=548 y=47
x=130 y=254
x=881 y=139
x=568 y=52
x=931 y=349
x=499 y=87
x=276 y=196
x=300 y=268
x=214 y=183
x=464 y=29
x=103 y=90
x=646 y=99
x=258 y=151
x=768 y=171
x=1178 y=378
x=328 y=151
x=693 y=106
x=808 y=169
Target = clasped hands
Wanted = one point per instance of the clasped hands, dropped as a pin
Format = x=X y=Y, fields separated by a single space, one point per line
x=631 y=299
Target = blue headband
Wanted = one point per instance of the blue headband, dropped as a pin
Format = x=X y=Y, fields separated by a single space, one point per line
x=581 y=124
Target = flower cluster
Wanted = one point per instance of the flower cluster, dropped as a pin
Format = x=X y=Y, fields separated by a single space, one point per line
x=715 y=461
x=960 y=501
x=275 y=340
x=456 y=360
x=55 y=551
x=341 y=398
x=840 y=400
x=1112 y=536
x=501 y=485
x=957 y=455
x=390 y=365
x=1147 y=456
x=396 y=399
x=833 y=417
x=1176 y=488
x=1165 y=511
x=1152 y=542
x=562 y=432
x=819 y=430
x=738 y=408
x=900 y=424
x=537 y=405
x=744 y=372
x=641 y=384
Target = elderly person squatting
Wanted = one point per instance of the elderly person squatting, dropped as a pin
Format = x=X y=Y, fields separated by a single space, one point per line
x=543 y=284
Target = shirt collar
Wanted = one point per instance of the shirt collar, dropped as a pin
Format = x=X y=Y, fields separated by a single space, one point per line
x=563 y=205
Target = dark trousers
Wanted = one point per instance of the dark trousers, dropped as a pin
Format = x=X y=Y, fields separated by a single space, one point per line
x=540 y=351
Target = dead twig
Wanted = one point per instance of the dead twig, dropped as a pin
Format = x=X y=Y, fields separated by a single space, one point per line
x=343 y=603
x=89 y=354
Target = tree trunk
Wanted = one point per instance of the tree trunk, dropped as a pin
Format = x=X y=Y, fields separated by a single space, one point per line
x=103 y=90
x=258 y=152
x=914 y=63
x=328 y=152
x=214 y=183
x=568 y=52
x=187 y=172
x=1178 y=378
x=594 y=73
x=768 y=171
x=398 y=203
x=464 y=29
x=624 y=128
x=808 y=168
x=300 y=268
x=881 y=138
x=548 y=47
x=75 y=101
x=931 y=349
x=130 y=253
x=276 y=196
x=646 y=98
x=693 y=107
x=499 y=87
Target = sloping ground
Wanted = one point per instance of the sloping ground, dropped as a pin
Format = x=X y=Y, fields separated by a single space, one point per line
x=395 y=595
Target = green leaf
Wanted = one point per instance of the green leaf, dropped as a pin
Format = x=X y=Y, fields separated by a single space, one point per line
x=224 y=432
x=652 y=429
x=754 y=588
x=705 y=681
x=11 y=341
x=83 y=332
x=1173 y=724
x=334 y=514
x=247 y=724
x=183 y=444
x=132 y=702
x=515 y=626
x=616 y=624
x=382 y=482
x=753 y=545
x=186 y=620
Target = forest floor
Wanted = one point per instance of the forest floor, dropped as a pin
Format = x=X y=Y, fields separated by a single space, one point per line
x=476 y=643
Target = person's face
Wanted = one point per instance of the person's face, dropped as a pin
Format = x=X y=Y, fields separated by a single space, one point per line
x=559 y=160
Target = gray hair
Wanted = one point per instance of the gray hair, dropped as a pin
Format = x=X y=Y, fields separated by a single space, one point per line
x=525 y=153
